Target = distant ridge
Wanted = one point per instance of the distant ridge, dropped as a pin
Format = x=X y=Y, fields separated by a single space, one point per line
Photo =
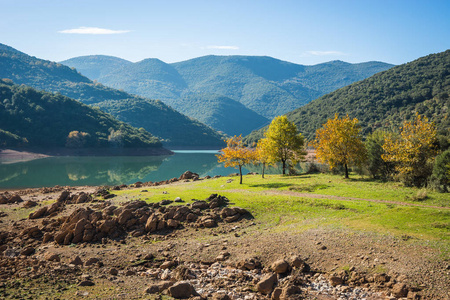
x=384 y=100
x=173 y=128
x=264 y=86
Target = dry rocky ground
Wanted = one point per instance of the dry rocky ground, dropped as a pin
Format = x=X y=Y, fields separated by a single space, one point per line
x=88 y=244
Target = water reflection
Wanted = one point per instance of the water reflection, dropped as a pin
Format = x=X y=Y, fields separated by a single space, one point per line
x=74 y=171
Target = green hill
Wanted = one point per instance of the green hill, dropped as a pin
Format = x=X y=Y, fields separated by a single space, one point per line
x=263 y=85
x=95 y=66
x=31 y=118
x=54 y=77
x=385 y=99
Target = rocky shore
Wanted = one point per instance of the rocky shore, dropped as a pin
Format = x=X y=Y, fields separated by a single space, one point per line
x=90 y=243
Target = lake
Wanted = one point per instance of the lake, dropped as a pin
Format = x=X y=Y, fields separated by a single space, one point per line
x=76 y=171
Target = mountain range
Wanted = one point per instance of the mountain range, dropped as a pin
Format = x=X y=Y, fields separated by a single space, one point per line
x=232 y=94
x=384 y=100
x=172 y=127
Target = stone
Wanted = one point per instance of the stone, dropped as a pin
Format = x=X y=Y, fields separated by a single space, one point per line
x=52 y=257
x=86 y=283
x=290 y=290
x=29 y=204
x=182 y=290
x=171 y=223
x=400 y=290
x=276 y=294
x=15 y=199
x=381 y=278
x=63 y=196
x=220 y=296
x=38 y=213
x=167 y=265
x=280 y=266
x=335 y=280
x=91 y=261
x=266 y=284
x=188 y=175
x=27 y=251
x=124 y=216
x=76 y=261
x=113 y=271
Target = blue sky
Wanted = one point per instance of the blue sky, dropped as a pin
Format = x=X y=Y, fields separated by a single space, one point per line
x=304 y=32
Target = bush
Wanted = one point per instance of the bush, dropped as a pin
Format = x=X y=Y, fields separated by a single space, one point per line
x=440 y=178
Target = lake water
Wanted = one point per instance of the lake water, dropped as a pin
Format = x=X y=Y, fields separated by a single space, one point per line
x=75 y=171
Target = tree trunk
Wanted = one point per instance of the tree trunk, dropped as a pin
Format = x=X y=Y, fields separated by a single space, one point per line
x=346 y=171
x=284 y=167
x=240 y=174
x=264 y=166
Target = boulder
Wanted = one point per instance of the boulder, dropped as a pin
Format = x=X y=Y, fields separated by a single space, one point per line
x=289 y=291
x=91 y=261
x=29 y=204
x=220 y=296
x=188 y=175
x=27 y=251
x=63 y=196
x=335 y=280
x=400 y=290
x=182 y=290
x=15 y=199
x=76 y=261
x=280 y=266
x=267 y=283
x=38 y=213
x=52 y=257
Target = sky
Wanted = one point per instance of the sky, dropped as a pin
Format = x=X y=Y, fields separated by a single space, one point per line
x=303 y=32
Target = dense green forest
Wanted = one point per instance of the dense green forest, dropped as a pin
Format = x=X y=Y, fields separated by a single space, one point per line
x=31 y=118
x=54 y=77
x=265 y=87
x=385 y=99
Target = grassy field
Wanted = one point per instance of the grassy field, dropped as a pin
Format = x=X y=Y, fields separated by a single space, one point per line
x=305 y=201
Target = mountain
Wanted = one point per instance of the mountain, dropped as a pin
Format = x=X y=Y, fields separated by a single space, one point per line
x=54 y=77
x=385 y=99
x=31 y=118
x=263 y=85
x=94 y=66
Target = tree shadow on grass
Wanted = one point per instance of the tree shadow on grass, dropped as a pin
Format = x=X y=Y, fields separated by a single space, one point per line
x=272 y=185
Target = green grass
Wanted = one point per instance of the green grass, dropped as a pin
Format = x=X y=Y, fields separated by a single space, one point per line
x=275 y=204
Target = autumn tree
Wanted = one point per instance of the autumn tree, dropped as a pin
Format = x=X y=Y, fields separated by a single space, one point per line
x=77 y=139
x=338 y=143
x=283 y=143
x=236 y=154
x=261 y=155
x=413 y=150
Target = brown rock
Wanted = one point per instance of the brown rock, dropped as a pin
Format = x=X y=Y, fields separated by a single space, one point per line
x=276 y=294
x=47 y=237
x=38 y=213
x=113 y=271
x=167 y=264
x=266 y=284
x=171 y=223
x=15 y=199
x=63 y=196
x=280 y=266
x=76 y=261
x=86 y=283
x=52 y=257
x=27 y=251
x=220 y=296
x=182 y=290
x=29 y=204
x=91 y=261
x=124 y=216
x=335 y=280
x=381 y=278
x=152 y=223
x=400 y=290
x=289 y=291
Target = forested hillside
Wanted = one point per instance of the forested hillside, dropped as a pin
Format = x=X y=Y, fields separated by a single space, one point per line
x=385 y=99
x=31 y=118
x=54 y=77
x=265 y=86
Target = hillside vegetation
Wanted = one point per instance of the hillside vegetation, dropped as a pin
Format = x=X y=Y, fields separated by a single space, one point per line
x=384 y=100
x=265 y=87
x=31 y=118
x=54 y=77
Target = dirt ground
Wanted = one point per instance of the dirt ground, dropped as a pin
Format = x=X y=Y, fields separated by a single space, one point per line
x=227 y=260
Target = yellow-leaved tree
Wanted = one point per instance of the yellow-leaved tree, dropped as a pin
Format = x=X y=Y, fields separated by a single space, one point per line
x=413 y=150
x=283 y=143
x=338 y=142
x=261 y=155
x=236 y=154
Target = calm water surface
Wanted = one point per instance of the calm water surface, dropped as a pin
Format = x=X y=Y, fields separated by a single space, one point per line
x=73 y=171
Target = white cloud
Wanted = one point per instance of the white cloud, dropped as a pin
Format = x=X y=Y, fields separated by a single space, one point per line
x=324 y=53
x=223 y=47
x=93 y=30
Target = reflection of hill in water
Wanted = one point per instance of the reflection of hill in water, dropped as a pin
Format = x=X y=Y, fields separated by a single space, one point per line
x=77 y=171
x=107 y=170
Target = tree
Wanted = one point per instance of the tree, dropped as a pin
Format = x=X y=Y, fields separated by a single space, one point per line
x=77 y=139
x=284 y=143
x=440 y=179
x=338 y=142
x=377 y=167
x=413 y=150
x=261 y=155
x=236 y=154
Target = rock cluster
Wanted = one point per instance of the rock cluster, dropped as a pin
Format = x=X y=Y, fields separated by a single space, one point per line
x=7 y=198
x=135 y=217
